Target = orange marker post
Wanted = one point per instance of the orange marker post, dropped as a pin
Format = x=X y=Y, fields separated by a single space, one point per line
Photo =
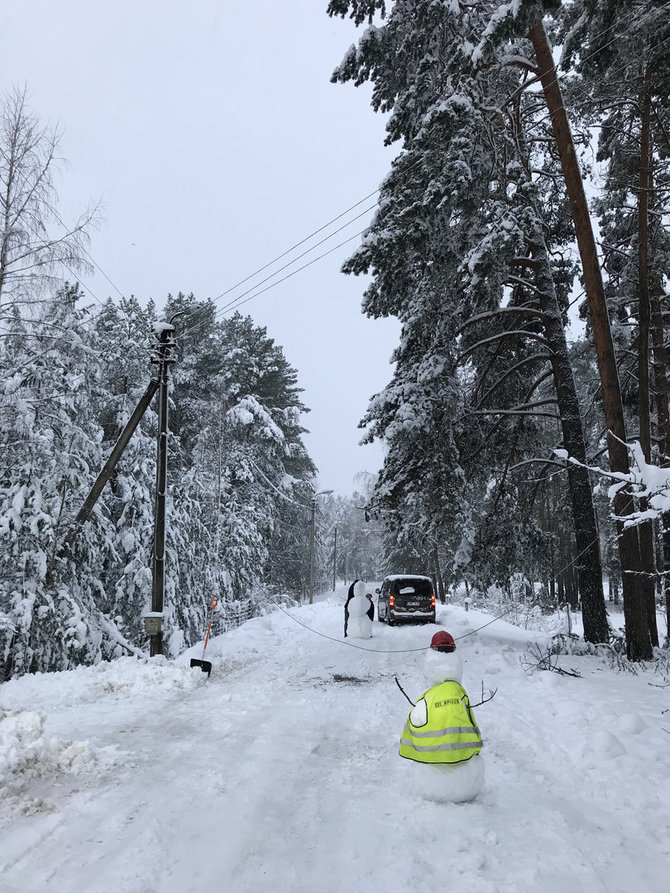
x=206 y=665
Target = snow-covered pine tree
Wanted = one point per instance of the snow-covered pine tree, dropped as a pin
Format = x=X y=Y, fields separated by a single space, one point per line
x=525 y=19
x=122 y=339
x=268 y=472
x=624 y=81
x=51 y=588
x=471 y=218
x=236 y=416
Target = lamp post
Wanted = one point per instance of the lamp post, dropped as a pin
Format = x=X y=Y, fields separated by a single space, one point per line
x=312 y=532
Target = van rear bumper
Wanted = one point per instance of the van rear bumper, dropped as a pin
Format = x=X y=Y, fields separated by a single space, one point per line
x=408 y=614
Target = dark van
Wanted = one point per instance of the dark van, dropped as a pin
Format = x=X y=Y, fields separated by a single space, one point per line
x=406 y=597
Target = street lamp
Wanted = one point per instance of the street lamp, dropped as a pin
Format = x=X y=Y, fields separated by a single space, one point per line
x=311 y=543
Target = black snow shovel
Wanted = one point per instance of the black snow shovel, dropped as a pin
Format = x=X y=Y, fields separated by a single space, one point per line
x=206 y=665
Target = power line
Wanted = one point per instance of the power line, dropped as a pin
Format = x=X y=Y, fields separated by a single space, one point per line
x=235 y=302
x=293 y=273
x=88 y=255
x=254 y=291
x=233 y=305
x=295 y=259
x=636 y=18
x=298 y=244
x=316 y=632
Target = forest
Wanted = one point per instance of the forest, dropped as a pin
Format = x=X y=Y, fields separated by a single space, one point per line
x=520 y=239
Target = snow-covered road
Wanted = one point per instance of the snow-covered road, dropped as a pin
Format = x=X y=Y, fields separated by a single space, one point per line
x=280 y=774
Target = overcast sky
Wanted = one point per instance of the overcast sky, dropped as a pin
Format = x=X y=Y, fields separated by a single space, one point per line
x=215 y=140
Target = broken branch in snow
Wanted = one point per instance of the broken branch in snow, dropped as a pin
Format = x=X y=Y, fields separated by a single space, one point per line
x=537 y=657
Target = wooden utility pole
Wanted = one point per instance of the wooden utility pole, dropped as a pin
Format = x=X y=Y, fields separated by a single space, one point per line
x=335 y=560
x=638 y=638
x=166 y=343
x=152 y=621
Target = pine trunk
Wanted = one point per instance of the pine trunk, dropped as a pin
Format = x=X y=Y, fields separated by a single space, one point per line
x=660 y=366
x=638 y=637
x=646 y=532
x=587 y=561
x=437 y=570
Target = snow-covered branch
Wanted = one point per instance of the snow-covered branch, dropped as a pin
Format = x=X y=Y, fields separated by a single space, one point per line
x=645 y=481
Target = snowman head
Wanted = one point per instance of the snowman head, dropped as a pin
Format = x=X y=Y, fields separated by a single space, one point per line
x=359 y=588
x=443 y=666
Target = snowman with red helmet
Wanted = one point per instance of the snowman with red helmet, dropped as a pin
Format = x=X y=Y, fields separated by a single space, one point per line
x=441 y=736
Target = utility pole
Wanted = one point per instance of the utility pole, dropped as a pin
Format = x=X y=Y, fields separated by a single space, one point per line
x=153 y=622
x=335 y=560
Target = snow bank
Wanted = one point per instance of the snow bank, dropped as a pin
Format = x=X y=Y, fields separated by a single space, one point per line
x=25 y=751
x=121 y=678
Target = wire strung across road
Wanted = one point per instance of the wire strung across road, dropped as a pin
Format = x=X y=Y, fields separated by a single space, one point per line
x=384 y=650
x=425 y=647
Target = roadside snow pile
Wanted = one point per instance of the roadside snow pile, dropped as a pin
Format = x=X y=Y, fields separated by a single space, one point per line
x=128 y=676
x=30 y=759
x=119 y=679
x=26 y=753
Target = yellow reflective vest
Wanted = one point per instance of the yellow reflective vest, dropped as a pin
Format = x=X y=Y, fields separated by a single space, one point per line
x=450 y=734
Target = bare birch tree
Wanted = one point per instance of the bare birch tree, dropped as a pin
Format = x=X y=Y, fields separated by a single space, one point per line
x=37 y=249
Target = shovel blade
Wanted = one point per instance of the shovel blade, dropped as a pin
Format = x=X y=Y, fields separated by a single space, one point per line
x=204 y=665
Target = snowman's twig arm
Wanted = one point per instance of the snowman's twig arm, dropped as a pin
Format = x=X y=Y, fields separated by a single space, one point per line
x=404 y=692
x=484 y=700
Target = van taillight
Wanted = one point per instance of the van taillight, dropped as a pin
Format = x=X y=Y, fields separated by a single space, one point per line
x=432 y=600
x=391 y=601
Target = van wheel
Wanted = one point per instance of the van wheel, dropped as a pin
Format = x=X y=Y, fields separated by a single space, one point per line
x=389 y=621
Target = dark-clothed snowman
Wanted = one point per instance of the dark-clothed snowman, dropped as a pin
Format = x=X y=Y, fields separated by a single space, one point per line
x=360 y=625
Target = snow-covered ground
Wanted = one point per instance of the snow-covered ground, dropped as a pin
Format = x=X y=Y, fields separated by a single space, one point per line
x=281 y=774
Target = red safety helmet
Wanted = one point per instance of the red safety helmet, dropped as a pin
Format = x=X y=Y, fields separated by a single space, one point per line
x=443 y=641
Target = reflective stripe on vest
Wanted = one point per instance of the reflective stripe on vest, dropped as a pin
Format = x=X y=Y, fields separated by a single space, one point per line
x=454 y=730
x=450 y=734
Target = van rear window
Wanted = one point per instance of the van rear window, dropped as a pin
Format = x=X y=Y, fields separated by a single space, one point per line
x=420 y=588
